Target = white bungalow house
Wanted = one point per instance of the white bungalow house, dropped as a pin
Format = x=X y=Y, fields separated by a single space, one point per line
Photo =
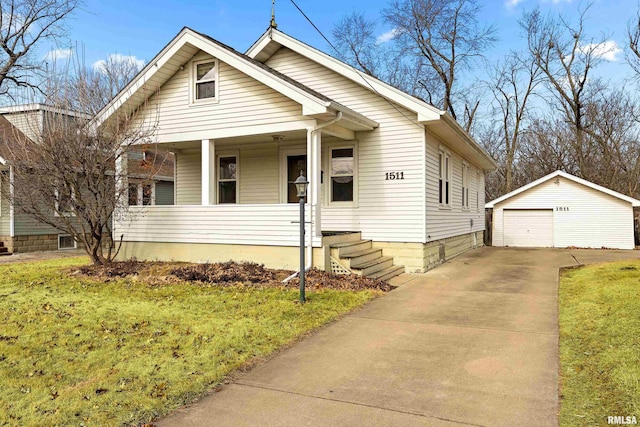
x=395 y=184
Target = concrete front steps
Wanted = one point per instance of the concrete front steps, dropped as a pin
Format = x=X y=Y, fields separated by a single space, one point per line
x=361 y=258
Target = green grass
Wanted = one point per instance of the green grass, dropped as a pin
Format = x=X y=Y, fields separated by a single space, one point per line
x=77 y=352
x=600 y=343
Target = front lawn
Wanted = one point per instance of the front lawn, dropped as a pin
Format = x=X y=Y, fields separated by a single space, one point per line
x=78 y=351
x=600 y=343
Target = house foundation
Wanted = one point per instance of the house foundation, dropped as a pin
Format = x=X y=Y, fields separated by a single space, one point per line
x=36 y=243
x=421 y=257
x=281 y=257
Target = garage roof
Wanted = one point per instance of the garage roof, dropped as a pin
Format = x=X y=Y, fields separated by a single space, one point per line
x=634 y=202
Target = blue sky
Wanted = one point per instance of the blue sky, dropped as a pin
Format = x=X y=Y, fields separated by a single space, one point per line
x=141 y=28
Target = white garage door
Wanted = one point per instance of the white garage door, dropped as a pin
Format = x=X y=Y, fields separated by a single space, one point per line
x=528 y=228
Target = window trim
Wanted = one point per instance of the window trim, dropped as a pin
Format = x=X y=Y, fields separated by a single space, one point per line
x=221 y=155
x=56 y=207
x=477 y=190
x=193 y=81
x=444 y=177
x=139 y=184
x=465 y=185
x=328 y=193
x=75 y=243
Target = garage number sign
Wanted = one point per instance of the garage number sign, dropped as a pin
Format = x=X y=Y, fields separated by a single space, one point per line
x=562 y=208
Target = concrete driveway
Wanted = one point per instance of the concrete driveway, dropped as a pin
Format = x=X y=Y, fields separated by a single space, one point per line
x=472 y=342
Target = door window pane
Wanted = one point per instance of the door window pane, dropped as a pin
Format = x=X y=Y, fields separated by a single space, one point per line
x=295 y=165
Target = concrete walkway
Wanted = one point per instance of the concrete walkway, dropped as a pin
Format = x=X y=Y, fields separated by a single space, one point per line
x=473 y=342
x=41 y=256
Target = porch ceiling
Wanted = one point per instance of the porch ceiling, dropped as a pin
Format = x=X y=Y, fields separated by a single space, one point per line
x=298 y=136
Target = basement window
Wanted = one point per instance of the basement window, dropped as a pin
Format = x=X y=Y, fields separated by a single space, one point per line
x=66 y=241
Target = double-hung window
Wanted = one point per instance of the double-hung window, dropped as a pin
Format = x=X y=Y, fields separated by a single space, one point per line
x=342 y=174
x=444 y=182
x=227 y=179
x=465 y=185
x=205 y=79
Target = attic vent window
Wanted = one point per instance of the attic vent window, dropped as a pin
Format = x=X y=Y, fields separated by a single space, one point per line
x=206 y=79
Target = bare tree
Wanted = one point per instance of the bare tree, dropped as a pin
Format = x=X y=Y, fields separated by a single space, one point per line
x=355 y=40
x=633 y=32
x=66 y=177
x=24 y=24
x=566 y=55
x=513 y=84
x=446 y=35
x=356 y=44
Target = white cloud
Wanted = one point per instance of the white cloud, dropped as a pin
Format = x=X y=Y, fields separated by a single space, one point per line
x=118 y=58
x=512 y=3
x=385 y=37
x=56 y=54
x=609 y=50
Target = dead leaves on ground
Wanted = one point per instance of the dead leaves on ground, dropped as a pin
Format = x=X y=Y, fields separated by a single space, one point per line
x=227 y=274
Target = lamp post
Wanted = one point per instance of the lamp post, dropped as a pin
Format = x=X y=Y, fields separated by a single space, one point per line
x=301 y=188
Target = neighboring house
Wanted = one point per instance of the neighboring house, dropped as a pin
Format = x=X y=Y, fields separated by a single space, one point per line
x=560 y=210
x=395 y=184
x=20 y=232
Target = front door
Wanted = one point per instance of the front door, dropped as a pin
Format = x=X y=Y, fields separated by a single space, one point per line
x=296 y=164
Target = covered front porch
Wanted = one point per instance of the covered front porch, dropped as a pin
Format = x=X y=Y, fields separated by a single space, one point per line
x=237 y=193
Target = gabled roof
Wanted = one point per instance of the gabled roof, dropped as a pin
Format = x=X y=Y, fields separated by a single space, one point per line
x=437 y=121
x=181 y=50
x=634 y=202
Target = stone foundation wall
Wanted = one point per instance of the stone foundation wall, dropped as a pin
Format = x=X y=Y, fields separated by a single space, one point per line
x=439 y=251
x=8 y=242
x=421 y=257
x=42 y=242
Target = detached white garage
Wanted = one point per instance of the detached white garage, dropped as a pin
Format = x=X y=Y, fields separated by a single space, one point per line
x=561 y=210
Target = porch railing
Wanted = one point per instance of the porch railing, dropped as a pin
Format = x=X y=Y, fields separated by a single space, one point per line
x=271 y=225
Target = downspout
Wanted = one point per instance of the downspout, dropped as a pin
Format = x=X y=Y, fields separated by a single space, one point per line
x=311 y=162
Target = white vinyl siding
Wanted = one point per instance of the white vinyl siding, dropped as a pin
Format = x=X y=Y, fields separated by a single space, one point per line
x=164 y=193
x=259 y=175
x=188 y=180
x=387 y=210
x=273 y=225
x=258 y=180
x=453 y=220
x=582 y=216
x=241 y=102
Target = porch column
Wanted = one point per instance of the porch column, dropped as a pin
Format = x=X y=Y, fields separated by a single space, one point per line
x=122 y=179
x=315 y=171
x=208 y=172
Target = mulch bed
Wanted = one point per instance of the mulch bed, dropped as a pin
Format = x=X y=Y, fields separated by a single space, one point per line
x=226 y=274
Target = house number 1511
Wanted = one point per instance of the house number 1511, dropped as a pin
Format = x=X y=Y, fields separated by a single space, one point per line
x=390 y=176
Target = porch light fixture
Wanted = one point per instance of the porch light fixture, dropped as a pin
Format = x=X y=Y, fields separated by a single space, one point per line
x=301 y=188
